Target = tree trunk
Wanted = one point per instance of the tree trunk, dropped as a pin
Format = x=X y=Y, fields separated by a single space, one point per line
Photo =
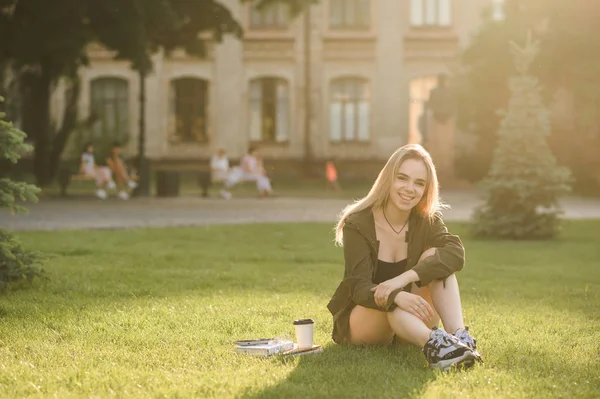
x=36 y=122
x=307 y=158
x=143 y=169
x=69 y=122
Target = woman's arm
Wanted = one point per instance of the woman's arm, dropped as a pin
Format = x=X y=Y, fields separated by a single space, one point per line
x=448 y=258
x=245 y=164
x=393 y=286
x=359 y=269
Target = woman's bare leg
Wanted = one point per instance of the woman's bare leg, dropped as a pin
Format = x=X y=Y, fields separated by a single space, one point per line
x=446 y=301
x=120 y=174
x=445 y=298
x=369 y=327
x=408 y=327
x=374 y=327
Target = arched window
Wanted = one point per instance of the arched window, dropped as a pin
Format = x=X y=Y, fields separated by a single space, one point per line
x=350 y=14
x=110 y=108
x=189 y=102
x=431 y=12
x=350 y=110
x=419 y=94
x=269 y=110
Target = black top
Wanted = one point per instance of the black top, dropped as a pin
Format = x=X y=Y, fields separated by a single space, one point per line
x=387 y=270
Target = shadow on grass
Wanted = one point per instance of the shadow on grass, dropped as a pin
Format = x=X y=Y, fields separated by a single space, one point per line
x=343 y=372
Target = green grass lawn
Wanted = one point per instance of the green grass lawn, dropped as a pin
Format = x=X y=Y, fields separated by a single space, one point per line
x=152 y=313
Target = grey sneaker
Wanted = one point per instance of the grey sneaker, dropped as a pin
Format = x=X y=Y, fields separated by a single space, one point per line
x=466 y=338
x=444 y=351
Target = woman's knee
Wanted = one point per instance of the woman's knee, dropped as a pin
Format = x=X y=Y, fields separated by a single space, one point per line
x=451 y=280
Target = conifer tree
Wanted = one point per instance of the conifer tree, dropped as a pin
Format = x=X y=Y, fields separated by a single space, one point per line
x=16 y=264
x=524 y=182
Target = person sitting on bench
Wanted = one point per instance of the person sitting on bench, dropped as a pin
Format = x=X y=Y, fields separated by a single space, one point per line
x=119 y=170
x=250 y=169
x=101 y=174
x=220 y=170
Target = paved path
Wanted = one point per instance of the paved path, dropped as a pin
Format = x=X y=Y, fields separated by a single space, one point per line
x=78 y=213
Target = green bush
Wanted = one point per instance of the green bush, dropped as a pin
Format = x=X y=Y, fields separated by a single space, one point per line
x=16 y=264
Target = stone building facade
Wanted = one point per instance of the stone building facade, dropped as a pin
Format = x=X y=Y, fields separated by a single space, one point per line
x=371 y=64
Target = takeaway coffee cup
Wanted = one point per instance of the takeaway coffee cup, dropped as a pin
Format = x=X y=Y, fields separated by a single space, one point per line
x=304 y=333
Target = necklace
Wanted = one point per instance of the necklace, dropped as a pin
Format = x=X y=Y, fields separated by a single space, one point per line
x=392 y=227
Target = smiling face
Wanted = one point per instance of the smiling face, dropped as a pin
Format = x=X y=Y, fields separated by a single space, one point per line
x=408 y=185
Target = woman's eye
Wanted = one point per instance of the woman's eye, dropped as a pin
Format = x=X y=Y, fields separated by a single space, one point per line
x=420 y=184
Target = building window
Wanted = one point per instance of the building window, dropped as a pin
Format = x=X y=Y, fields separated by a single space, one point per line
x=269 y=110
x=189 y=102
x=110 y=108
x=350 y=111
x=418 y=120
x=497 y=10
x=431 y=12
x=276 y=16
x=350 y=14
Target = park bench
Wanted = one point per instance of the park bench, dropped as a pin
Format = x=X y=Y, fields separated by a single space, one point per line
x=69 y=172
x=168 y=178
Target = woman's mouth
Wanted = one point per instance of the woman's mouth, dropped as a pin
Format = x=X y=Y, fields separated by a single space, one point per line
x=405 y=197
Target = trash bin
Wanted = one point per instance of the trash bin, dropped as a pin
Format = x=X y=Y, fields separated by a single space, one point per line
x=167 y=183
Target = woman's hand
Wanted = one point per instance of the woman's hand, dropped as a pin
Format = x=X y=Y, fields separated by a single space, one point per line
x=416 y=305
x=383 y=290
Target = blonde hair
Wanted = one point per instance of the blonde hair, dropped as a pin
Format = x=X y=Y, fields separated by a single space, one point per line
x=379 y=193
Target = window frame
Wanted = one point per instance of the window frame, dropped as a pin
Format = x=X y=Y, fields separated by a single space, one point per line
x=362 y=86
x=419 y=89
x=498 y=13
x=256 y=18
x=425 y=13
x=189 y=101
x=345 y=25
x=280 y=93
x=120 y=102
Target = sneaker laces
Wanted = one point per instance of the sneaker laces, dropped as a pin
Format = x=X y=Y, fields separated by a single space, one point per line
x=465 y=337
x=440 y=339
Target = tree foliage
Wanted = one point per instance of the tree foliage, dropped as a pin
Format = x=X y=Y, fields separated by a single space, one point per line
x=524 y=182
x=567 y=60
x=16 y=264
x=47 y=41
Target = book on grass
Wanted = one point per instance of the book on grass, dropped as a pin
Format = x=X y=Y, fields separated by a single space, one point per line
x=266 y=349
x=304 y=351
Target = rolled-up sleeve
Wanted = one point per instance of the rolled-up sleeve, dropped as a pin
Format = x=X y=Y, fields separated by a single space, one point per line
x=449 y=255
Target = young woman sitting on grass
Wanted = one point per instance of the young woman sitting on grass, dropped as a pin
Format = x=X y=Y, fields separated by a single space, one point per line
x=400 y=262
